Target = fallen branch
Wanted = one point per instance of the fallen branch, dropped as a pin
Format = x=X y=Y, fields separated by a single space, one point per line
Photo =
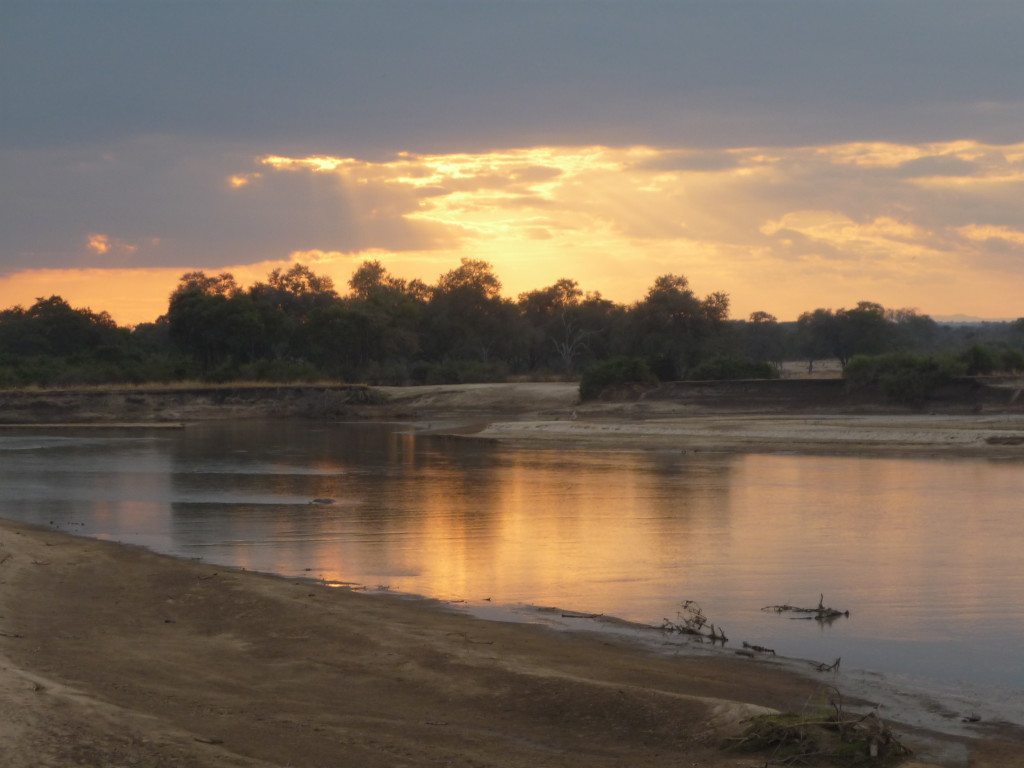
x=692 y=621
x=833 y=667
x=821 y=613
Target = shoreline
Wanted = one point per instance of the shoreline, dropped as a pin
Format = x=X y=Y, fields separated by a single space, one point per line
x=135 y=642
x=697 y=417
x=941 y=716
x=93 y=665
x=992 y=437
x=105 y=655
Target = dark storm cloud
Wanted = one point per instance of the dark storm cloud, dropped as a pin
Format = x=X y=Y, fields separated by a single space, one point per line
x=382 y=75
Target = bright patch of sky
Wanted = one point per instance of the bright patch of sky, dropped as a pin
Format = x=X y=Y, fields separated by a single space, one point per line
x=793 y=154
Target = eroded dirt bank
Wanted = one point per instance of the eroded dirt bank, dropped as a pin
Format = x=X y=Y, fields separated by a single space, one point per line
x=537 y=401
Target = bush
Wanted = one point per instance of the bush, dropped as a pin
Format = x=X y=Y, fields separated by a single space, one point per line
x=725 y=367
x=664 y=368
x=982 y=360
x=1012 y=361
x=979 y=360
x=903 y=378
x=393 y=373
x=614 y=373
x=458 y=372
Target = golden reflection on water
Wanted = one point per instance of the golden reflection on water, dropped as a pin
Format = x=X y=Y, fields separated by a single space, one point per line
x=897 y=536
x=919 y=551
x=632 y=533
x=533 y=527
x=913 y=547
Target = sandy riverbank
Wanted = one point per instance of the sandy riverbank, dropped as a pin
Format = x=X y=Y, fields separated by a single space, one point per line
x=771 y=417
x=911 y=435
x=549 y=415
x=114 y=656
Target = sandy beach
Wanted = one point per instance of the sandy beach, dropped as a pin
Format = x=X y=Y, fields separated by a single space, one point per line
x=114 y=656
x=549 y=415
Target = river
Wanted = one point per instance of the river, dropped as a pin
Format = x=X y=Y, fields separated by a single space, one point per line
x=927 y=555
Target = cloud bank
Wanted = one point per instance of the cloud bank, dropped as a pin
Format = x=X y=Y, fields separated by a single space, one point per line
x=791 y=153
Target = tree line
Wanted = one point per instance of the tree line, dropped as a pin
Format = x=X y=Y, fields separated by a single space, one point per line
x=295 y=326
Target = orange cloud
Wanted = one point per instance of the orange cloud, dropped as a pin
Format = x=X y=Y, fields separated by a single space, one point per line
x=99 y=243
x=779 y=229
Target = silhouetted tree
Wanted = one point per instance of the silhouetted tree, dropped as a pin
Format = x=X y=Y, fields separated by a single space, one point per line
x=763 y=338
x=671 y=326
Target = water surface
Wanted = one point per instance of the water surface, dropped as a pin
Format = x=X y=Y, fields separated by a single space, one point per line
x=926 y=554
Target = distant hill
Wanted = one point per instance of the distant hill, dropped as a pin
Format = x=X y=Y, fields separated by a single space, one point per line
x=967 y=319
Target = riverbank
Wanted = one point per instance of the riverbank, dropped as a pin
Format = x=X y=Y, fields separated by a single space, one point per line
x=993 y=437
x=689 y=419
x=113 y=655
x=983 y=419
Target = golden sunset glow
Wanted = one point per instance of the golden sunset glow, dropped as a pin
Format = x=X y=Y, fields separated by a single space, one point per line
x=532 y=530
x=99 y=243
x=779 y=229
x=241 y=179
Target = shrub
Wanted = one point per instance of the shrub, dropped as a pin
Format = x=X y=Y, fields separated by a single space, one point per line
x=979 y=360
x=386 y=373
x=458 y=372
x=982 y=360
x=664 y=368
x=1012 y=361
x=279 y=371
x=903 y=378
x=614 y=373
x=725 y=367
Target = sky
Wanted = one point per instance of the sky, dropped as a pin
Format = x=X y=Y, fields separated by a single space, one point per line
x=794 y=154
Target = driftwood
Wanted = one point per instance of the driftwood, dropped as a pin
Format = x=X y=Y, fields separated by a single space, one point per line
x=821 y=613
x=833 y=667
x=692 y=621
